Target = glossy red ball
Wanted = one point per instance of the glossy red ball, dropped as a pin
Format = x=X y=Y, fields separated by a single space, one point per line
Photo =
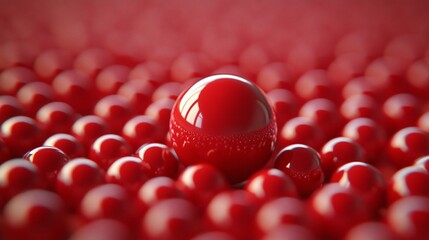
x=49 y=161
x=225 y=121
x=408 y=181
x=158 y=160
x=365 y=180
x=128 y=172
x=157 y=189
x=107 y=149
x=302 y=164
x=76 y=178
x=270 y=184
x=301 y=130
x=409 y=218
x=407 y=145
x=66 y=143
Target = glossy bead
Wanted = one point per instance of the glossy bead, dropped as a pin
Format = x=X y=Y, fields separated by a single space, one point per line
x=359 y=86
x=157 y=189
x=88 y=128
x=127 y=172
x=409 y=218
x=408 y=181
x=114 y=110
x=49 y=161
x=150 y=71
x=201 y=182
x=335 y=209
x=107 y=149
x=170 y=219
x=276 y=75
x=369 y=134
x=158 y=160
x=339 y=151
x=386 y=75
x=302 y=164
x=35 y=214
x=16 y=176
x=34 y=95
x=325 y=114
x=401 y=110
x=365 y=180
x=106 y=201
x=371 y=230
x=407 y=145
x=285 y=105
x=56 y=117
x=92 y=60
x=279 y=212
x=9 y=107
x=21 y=134
x=422 y=162
x=360 y=106
x=110 y=79
x=160 y=111
x=252 y=59
x=74 y=88
x=345 y=67
x=169 y=90
x=137 y=94
x=209 y=125
x=107 y=229
x=66 y=143
x=76 y=178
x=269 y=184
x=232 y=211
x=301 y=130
x=51 y=62
x=189 y=65
x=314 y=84
x=141 y=130
x=13 y=79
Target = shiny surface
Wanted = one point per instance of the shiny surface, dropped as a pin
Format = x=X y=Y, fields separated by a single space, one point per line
x=106 y=201
x=158 y=160
x=407 y=145
x=127 y=172
x=301 y=130
x=76 y=178
x=360 y=106
x=201 y=182
x=270 y=184
x=302 y=164
x=371 y=231
x=21 y=134
x=66 y=143
x=157 y=189
x=369 y=134
x=422 y=162
x=115 y=110
x=56 y=117
x=408 y=181
x=88 y=128
x=49 y=161
x=35 y=214
x=339 y=151
x=364 y=179
x=14 y=78
x=232 y=211
x=210 y=110
x=281 y=211
x=409 y=218
x=33 y=96
x=107 y=149
x=16 y=176
x=141 y=130
x=226 y=121
x=401 y=110
x=9 y=107
x=170 y=219
x=335 y=209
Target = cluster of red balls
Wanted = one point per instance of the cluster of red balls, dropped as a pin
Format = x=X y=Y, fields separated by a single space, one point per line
x=210 y=143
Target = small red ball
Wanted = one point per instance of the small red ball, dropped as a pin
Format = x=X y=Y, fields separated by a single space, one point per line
x=226 y=121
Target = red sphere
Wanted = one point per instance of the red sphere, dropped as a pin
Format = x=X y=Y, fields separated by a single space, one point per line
x=226 y=121
x=407 y=145
x=302 y=164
